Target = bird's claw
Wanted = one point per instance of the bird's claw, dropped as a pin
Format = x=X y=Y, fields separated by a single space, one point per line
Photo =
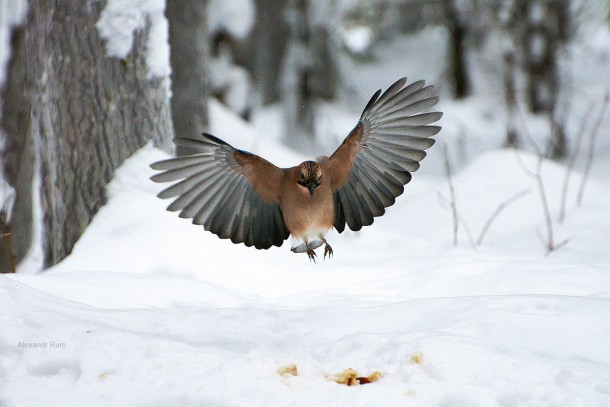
x=312 y=255
x=328 y=250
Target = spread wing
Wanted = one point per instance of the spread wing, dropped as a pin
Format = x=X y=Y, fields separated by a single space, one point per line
x=232 y=193
x=370 y=167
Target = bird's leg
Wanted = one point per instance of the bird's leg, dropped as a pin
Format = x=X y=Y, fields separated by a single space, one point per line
x=327 y=249
x=310 y=253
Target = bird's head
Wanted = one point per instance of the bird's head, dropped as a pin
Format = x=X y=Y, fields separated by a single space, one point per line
x=309 y=175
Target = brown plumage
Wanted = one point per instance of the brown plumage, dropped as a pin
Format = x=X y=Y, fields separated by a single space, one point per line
x=241 y=196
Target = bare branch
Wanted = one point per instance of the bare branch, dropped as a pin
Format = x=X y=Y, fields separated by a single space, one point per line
x=499 y=210
x=545 y=206
x=572 y=160
x=523 y=166
x=592 y=140
x=451 y=194
x=528 y=134
x=447 y=203
x=537 y=175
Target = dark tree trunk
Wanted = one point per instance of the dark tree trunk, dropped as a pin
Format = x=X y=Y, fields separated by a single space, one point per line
x=189 y=55
x=510 y=99
x=89 y=113
x=558 y=25
x=324 y=74
x=539 y=29
x=270 y=39
x=309 y=73
x=542 y=40
x=17 y=158
x=457 y=63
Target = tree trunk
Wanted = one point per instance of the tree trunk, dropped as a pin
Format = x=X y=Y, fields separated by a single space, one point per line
x=271 y=36
x=309 y=73
x=89 y=113
x=542 y=40
x=510 y=99
x=17 y=157
x=457 y=63
x=188 y=55
x=539 y=29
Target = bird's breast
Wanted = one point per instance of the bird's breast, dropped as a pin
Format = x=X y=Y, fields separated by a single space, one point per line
x=305 y=214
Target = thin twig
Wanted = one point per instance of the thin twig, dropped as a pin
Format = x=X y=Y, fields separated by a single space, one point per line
x=537 y=175
x=499 y=210
x=528 y=134
x=572 y=161
x=590 y=154
x=451 y=194
x=549 y=242
x=460 y=218
x=545 y=206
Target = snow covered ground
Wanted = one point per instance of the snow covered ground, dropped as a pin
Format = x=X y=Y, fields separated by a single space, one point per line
x=152 y=311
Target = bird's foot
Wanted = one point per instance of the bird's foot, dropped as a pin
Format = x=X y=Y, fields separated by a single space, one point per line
x=312 y=255
x=328 y=250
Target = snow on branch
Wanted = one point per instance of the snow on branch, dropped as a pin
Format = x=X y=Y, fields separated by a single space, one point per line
x=236 y=17
x=119 y=21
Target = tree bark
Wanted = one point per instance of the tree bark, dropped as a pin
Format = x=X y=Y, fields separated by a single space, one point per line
x=510 y=99
x=89 y=113
x=539 y=29
x=17 y=157
x=457 y=63
x=309 y=73
x=189 y=54
x=271 y=36
x=543 y=38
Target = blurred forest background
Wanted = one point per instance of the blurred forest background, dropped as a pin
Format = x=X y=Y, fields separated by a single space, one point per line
x=85 y=84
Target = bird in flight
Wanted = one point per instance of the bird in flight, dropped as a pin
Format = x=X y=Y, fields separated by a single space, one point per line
x=243 y=197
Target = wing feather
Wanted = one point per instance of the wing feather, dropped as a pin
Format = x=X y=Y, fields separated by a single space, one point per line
x=372 y=165
x=232 y=193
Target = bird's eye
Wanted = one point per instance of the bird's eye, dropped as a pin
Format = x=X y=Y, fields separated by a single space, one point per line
x=302 y=176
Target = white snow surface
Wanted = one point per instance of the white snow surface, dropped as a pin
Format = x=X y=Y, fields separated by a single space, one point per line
x=150 y=310
x=119 y=21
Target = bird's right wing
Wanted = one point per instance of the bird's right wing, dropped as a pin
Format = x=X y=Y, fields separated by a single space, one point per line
x=232 y=193
x=376 y=159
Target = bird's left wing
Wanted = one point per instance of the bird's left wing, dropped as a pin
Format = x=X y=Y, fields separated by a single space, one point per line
x=370 y=167
x=232 y=193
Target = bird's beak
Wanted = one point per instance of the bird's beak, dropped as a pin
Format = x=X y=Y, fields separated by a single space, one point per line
x=311 y=188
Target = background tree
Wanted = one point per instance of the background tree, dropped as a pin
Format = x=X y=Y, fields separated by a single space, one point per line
x=85 y=113
x=188 y=55
x=16 y=157
x=309 y=70
x=540 y=30
x=270 y=38
x=457 y=61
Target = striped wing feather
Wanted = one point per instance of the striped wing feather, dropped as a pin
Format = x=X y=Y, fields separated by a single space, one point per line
x=370 y=168
x=233 y=194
